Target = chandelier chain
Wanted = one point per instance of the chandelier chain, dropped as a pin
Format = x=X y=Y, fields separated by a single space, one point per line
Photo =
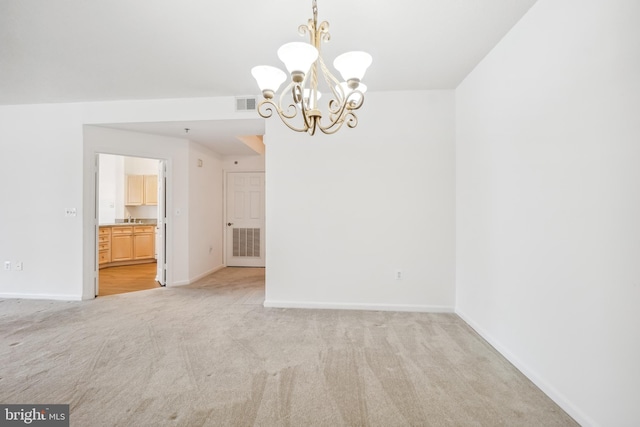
x=314 y=6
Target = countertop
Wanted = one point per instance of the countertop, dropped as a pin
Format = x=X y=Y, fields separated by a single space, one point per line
x=121 y=224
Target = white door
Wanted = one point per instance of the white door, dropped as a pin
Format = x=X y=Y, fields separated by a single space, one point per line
x=245 y=219
x=161 y=227
x=96 y=225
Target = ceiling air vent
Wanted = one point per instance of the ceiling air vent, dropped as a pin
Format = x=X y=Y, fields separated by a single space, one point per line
x=246 y=104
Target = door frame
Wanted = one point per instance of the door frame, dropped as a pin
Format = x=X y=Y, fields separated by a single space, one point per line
x=95 y=223
x=161 y=225
x=225 y=182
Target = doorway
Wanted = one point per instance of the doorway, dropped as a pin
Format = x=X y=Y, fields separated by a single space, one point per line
x=131 y=212
x=245 y=235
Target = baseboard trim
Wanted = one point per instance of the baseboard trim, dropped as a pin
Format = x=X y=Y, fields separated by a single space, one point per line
x=359 y=306
x=198 y=277
x=578 y=415
x=56 y=297
x=179 y=283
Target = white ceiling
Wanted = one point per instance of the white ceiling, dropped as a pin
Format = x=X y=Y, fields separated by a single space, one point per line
x=219 y=135
x=79 y=50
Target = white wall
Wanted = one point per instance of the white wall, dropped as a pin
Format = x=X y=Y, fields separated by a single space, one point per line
x=345 y=211
x=140 y=166
x=232 y=163
x=548 y=148
x=44 y=154
x=205 y=212
x=189 y=259
x=111 y=181
x=176 y=152
x=41 y=172
x=194 y=203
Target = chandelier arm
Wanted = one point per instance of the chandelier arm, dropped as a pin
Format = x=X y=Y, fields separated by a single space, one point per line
x=310 y=113
x=352 y=120
x=268 y=111
x=290 y=107
x=292 y=127
x=310 y=119
x=333 y=127
x=346 y=105
x=343 y=112
x=355 y=104
x=337 y=113
x=287 y=117
x=330 y=130
x=265 y=111
x=314 y=86
x=322 y=34
x=331 y=80
x=317 y=32
x=305 y=28
x=312 y=128
x=335 y=123
x=298 y=98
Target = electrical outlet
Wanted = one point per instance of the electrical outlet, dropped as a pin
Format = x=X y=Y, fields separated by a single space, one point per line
x=18 y=265
x=70 y=212
x=398 y=275
x=7 y=266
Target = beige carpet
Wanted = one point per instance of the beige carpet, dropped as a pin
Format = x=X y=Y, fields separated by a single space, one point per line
x=209 y=354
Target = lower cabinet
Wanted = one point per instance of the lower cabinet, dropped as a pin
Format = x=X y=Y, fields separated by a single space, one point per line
x=104 y=245
x=119 y=244
x=144 y=246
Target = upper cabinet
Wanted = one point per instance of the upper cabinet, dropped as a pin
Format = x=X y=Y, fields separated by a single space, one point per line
x=151 y=189
x=135 y=190
x=141 y=190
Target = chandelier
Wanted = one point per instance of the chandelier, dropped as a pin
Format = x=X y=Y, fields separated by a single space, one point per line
x=305 y=65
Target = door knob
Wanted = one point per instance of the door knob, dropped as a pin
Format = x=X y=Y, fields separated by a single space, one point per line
x=229 y=224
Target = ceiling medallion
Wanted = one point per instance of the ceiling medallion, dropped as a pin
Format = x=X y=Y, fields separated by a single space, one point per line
x=305 y=65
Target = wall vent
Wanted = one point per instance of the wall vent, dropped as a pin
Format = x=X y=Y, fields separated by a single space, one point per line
x=246 y=242
x=246 y=103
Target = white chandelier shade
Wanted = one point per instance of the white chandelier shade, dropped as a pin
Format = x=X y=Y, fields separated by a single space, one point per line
x=297 y=57
x=298 y=105
x=352 y=65
x=269 y=78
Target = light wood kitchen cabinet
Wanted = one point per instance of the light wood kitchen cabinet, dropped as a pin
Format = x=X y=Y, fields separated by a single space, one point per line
x=135 y=190
x=121 y=244
x=151 y=189
x=126 y=244
x=104 y=245
x=144 y=242
x=141 y=190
